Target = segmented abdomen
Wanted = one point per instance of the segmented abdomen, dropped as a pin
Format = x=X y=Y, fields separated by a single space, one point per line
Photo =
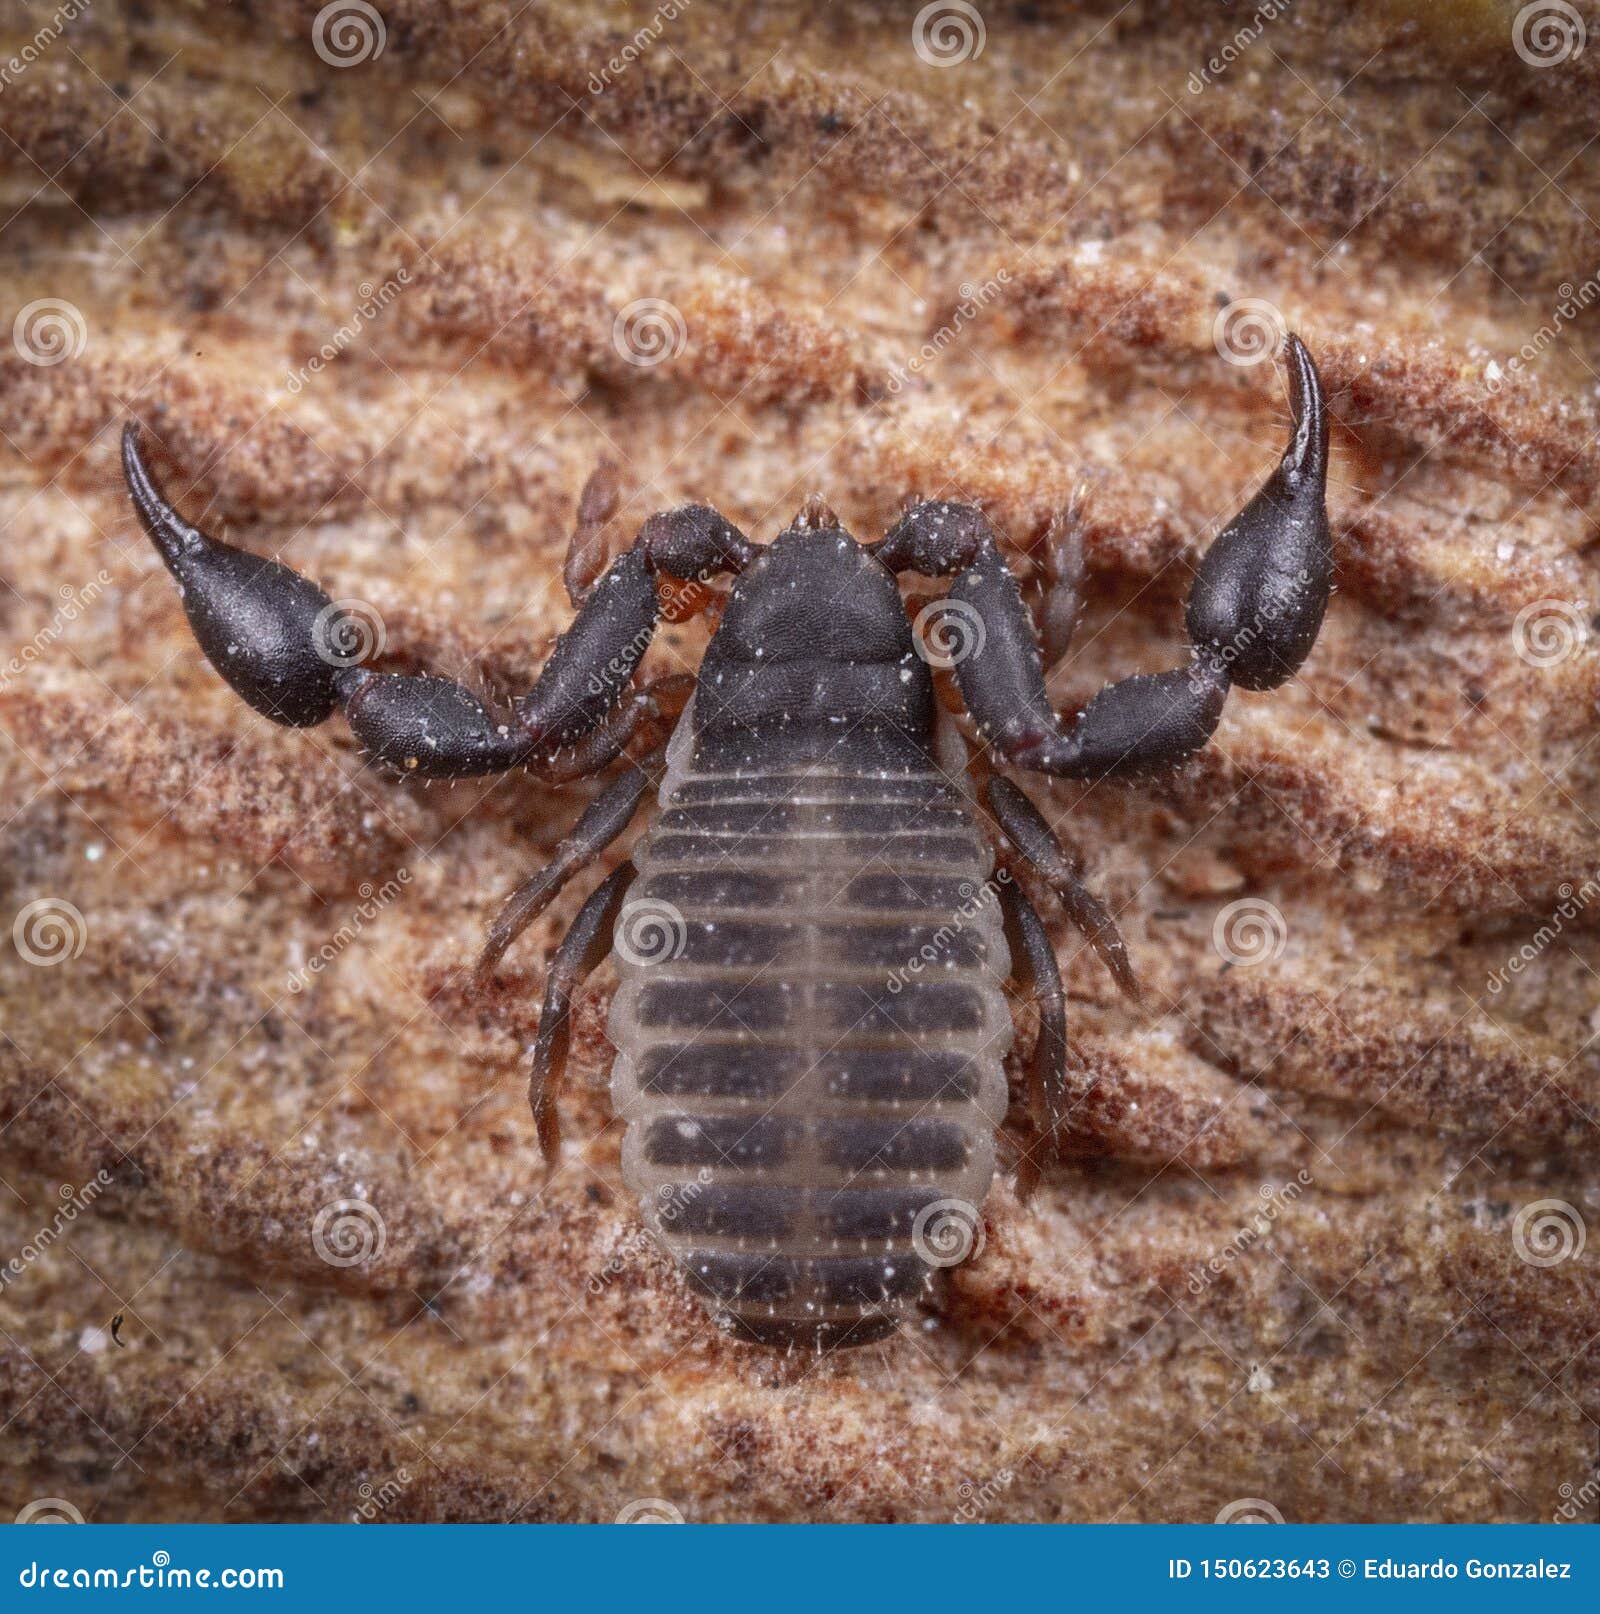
x=810 y=1028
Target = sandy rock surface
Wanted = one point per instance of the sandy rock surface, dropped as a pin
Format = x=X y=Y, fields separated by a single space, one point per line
x=1328 y=1239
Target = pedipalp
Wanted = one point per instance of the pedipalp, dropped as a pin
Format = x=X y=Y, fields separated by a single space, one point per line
x=275 y=637
x=1255 y=606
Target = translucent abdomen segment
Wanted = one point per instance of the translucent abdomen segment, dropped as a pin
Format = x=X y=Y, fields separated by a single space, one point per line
x=810 y=1030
